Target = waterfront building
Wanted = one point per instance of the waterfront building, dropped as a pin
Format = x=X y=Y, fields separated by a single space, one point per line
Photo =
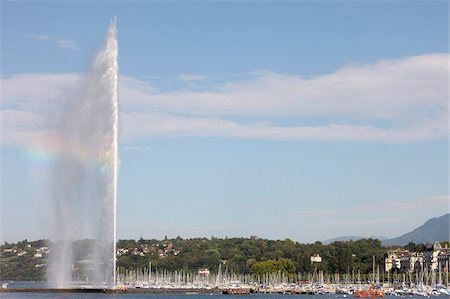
x=397 y=261
x=431 y=253
x=433 y=259
x=443 y=260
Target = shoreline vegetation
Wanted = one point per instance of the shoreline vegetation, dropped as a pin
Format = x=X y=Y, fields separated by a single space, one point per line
x=241 y=257
x=226 y=261
x=28 y=260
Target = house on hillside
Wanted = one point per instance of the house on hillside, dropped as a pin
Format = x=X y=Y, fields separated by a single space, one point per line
x=316 y=259
x=403 y=261
x=432 y=259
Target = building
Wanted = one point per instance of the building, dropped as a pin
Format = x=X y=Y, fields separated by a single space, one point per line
x=443 y=260
x=401 y=261
x=316 y=259
x=432 y=259
x=431 y=253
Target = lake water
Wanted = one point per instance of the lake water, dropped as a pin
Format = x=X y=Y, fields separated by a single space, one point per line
x=168 y=296
x=176 y=296
x=38 y=295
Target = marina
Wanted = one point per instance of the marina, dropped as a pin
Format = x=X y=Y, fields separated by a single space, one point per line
x=357 y=291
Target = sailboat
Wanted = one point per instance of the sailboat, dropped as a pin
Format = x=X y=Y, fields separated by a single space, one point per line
x=372 y=292
x=369 y=293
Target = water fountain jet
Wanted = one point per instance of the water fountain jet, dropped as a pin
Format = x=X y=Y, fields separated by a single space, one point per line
x=85 y=180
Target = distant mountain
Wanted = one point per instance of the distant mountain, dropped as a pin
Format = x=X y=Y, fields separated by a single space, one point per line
x=351 y=238
x=381 y=238
x=343 y=238
x=435 y=229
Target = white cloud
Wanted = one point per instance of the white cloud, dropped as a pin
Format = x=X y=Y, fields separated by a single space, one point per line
x=41 y=37
x=139 y=126
x=366 y=221
x=67 y=44
x=191 y=77
x=20 y=127
x=385 y=89
x=32 y=103
x=420 y=206
x=437 y=200
x=32 y=89
x=174 y=230
x=402 y=100
x=316 y=212
x=394 y=205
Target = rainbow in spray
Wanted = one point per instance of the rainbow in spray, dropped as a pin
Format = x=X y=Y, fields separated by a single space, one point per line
x=84 y=178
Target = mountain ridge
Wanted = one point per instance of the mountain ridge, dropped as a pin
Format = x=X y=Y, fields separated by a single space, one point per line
x=434 y=229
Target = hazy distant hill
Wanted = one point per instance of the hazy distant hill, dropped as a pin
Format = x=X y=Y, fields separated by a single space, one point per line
x=343 y=238
x=352 y=238
x=435 y=229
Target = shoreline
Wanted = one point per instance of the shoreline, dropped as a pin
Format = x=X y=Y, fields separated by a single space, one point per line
x=112 y=291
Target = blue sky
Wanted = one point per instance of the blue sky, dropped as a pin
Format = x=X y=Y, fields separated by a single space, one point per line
x=298 y=119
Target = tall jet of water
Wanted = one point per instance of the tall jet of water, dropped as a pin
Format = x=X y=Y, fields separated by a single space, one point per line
x=85 y=179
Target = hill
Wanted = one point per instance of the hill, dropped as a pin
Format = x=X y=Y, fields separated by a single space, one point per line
x=343 y=238
x=435 y=229
x=351 y=238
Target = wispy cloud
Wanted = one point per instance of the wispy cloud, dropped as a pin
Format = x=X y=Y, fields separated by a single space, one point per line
x=396 y=101
x=136 y=148
x=367 y=217
x=186 y=231
x=440 y=202
x=68 y=44
x=386 y=89
x=402 y=100
x=41 y=37
x=316 y=212
x=364 y=221
x=140 y=126
x=437 y=199
x=191 y=77
x=361 y=213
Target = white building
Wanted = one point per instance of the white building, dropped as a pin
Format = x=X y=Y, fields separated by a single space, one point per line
x=316 y=259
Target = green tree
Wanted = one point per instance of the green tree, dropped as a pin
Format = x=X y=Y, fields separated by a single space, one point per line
x=282 y=265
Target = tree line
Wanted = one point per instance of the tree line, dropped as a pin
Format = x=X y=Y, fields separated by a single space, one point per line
x=257 y=256
x=240 y=255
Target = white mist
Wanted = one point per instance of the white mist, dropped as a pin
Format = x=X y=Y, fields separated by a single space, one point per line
x=85 y=179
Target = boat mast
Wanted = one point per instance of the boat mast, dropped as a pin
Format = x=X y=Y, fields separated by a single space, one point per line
x=388 y=280
x=447 y=274
x=373 y=269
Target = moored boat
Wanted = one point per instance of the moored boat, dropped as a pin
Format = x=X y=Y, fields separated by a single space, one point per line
x=369 y=293
x=236 y=291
